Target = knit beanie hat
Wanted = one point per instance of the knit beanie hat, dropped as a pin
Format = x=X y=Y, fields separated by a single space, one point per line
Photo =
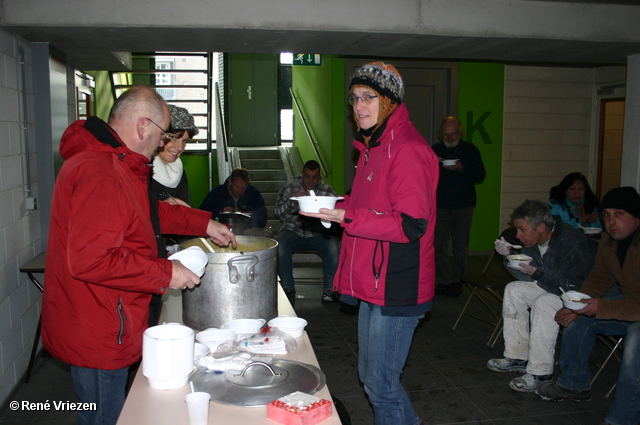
x=383 y=78
x=622 y=198
x=181 y=119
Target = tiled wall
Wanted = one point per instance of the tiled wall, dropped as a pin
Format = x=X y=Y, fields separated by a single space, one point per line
x=547 y=130
x=20 y=301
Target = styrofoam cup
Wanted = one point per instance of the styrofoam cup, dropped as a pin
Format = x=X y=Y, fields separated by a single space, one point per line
x=198 y=407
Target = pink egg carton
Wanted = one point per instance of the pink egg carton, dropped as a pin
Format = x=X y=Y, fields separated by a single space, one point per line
x=299 y=408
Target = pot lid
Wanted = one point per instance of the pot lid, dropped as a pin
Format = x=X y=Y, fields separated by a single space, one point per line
x=259 y=383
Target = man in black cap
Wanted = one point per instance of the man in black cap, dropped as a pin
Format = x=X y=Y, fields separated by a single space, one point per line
x=617 y=263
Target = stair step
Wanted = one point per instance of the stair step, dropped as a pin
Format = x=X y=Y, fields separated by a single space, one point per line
x=268 y=186
x=259 y=153
x=269 y=198
x=262 y=175
x=262 y=164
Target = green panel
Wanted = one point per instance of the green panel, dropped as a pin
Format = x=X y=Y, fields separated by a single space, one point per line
x=481 y=110
x=197 y=169
x=103 y=94
x=320 y=92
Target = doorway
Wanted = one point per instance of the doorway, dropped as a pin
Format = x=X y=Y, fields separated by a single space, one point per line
x=610 y=145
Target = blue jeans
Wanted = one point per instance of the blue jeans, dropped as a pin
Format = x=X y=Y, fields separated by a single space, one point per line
x=577 y=344
x=383 y=347
x=105 y=388
x=290 y=242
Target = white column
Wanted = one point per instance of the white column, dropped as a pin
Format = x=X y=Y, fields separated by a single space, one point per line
x=630 y=173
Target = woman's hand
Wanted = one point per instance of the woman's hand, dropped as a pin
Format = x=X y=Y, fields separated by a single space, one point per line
x=176 y=201
x=326 y=214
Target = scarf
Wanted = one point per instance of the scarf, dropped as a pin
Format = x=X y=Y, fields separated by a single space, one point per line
x=167 y=174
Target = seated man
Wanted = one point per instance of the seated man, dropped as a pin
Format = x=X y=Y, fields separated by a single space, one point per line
x=562 y=258
x=617 y=262
x=299 y=232
x=236 y=194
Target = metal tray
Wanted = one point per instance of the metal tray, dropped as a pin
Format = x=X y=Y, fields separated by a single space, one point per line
x=259 y=383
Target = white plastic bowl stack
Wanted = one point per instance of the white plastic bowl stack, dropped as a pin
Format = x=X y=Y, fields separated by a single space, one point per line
x=292 y=325
x=571 y=300
x=193 y=258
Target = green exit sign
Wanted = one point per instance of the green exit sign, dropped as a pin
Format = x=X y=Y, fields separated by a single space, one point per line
x=307 y=60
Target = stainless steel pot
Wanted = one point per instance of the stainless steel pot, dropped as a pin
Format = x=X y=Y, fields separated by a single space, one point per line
x=237 y=284
x=238 y=222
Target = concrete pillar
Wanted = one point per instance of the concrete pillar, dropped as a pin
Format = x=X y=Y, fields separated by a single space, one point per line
x=630 y=173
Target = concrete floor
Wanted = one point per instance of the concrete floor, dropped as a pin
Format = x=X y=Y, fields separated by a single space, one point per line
x=445 y=374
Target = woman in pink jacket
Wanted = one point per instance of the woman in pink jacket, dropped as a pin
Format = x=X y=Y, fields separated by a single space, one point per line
x=387 y=255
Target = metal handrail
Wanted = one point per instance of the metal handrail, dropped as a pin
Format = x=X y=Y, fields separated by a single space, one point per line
x=222 y=150
x=314 y=143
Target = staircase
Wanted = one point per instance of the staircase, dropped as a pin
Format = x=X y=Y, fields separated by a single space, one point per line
x=267 y=173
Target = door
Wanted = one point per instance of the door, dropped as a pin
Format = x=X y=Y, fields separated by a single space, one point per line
x=254 y=117
x=430 y=93
x=610 y=145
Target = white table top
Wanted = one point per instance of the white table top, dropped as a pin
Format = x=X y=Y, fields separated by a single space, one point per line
x=145 y=405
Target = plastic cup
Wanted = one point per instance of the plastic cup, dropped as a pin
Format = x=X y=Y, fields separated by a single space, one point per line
x=198 y=407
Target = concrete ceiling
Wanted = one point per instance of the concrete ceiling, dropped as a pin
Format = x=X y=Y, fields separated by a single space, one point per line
x=586 y=32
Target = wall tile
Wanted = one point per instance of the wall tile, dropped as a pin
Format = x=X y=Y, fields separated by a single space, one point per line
x=8 y=104
x=6 y=209
x=19 y=302
x=10 y=172
x=11 y=70
x=7 y=43
x=14 y=236
x=5 y=317
x=12 y=345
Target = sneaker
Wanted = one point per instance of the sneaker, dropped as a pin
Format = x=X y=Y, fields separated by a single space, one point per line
x=554 y=392
x=507 y=365
x=528 y=383
x=455 y=289
x=328 y=297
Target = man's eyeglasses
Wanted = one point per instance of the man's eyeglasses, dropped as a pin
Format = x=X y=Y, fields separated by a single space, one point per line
x=161 y=129
x=366 y=99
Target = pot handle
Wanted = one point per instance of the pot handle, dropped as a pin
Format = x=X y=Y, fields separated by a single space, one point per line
x=233 y=270
x=263 y=364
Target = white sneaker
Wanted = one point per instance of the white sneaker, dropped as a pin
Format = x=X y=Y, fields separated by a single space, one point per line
x=528 y=383
x=507 y=365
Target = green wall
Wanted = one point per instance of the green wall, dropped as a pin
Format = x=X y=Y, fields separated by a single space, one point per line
x=197 y=168
x=481 y=110
x=103 y=96
x=320 y=92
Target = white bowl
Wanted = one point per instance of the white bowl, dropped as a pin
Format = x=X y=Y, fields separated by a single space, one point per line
x=193 y=258
x=244 y=326
x=592 y=230
x=571 y=300
x=213 y=337
x=516 y=259
x=449 y=162
x=200 y=350
x=313 y=204
x=292 y=325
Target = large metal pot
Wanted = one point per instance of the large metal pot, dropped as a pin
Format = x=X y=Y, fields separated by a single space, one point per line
x=237 y=284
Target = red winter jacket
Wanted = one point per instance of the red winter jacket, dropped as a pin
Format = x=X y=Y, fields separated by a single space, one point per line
x=102 y=258
x=387 y=255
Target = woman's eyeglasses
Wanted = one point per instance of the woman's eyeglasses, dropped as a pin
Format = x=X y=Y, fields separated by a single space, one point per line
x=366 y=99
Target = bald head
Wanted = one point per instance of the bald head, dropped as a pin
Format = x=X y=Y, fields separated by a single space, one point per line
x=140 y=116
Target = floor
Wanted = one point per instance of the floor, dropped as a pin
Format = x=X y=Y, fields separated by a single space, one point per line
x=445 y=374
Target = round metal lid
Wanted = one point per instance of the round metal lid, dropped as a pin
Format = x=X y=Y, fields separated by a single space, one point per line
x=259 y=383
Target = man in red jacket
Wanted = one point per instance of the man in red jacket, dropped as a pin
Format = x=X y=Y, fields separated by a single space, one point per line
x=103 y=257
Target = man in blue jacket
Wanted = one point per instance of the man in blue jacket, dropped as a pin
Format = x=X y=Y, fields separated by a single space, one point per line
x=236 y=194
x=456 y=199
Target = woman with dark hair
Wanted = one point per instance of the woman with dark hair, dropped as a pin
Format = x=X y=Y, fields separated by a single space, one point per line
x=169 y=179
x=575 y=202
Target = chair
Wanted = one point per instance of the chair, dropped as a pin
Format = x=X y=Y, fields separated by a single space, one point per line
x=614 y=343
x=494 y=287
